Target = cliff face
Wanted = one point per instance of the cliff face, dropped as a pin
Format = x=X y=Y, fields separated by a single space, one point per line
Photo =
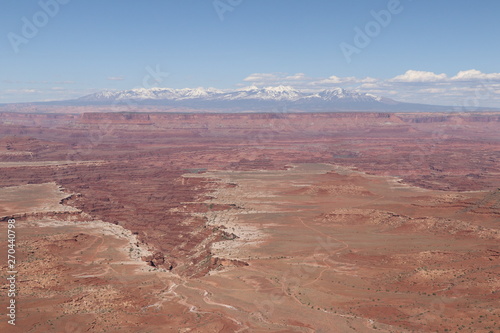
x=37 y=119
x=296 y=121
x=115 y=118
x=451 y=118
x=202 y=120
x=128 y=167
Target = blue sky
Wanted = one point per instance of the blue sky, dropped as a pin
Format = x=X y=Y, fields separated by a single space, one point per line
x=432 y=51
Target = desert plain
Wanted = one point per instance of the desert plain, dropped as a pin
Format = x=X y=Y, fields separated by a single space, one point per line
x=264 y=222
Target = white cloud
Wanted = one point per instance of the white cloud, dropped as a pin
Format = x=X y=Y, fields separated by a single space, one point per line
x=298 y=76
x=475 y=75
x=419 y=76
x=21 y=91
x=368 y=80
x=369 y=86
x=265 y=77
x=413 y=76
x=432 y=90
x=302 y=81
x=335 y=80
x=115 y=78
x=413 y=86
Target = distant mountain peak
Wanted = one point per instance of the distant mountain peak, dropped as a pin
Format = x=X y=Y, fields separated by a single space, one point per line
x=278 y=93
x=252 y=98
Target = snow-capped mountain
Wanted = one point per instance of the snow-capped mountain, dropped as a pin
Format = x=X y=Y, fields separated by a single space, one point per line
x=251 y=99
x=280 y=93
x=339 y=93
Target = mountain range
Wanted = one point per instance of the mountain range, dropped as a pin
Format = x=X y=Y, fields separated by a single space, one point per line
x=251 y=99
x=255 y=99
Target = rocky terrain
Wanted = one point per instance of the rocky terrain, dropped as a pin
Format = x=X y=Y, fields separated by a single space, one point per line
x=230 y=222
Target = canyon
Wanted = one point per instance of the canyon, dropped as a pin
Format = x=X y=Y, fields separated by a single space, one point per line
x=253 y=222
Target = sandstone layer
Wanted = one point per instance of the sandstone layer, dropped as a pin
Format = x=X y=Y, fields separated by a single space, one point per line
x=168 y=222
